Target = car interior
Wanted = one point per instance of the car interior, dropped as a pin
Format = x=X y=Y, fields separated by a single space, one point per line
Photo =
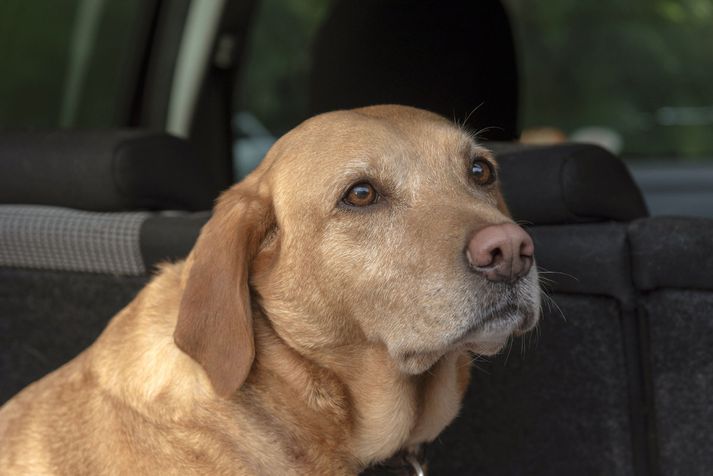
x=145 y=110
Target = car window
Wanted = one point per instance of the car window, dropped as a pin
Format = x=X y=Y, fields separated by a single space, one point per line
x=272 y=91
x=634 y=76
x=70 y=62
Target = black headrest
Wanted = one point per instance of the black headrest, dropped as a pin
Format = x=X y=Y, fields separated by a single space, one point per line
x=568 y=183
x=108 y=170
x=453 y=57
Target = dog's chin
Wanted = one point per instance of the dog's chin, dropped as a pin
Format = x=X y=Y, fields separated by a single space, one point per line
x=491 y=338
x=486 y=341
x=477 y=341
x=415 y=363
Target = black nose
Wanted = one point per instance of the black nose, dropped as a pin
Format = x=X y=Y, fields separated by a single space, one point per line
x=502 y=253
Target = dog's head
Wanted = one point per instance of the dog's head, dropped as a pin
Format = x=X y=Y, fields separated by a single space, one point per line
x=383 y=225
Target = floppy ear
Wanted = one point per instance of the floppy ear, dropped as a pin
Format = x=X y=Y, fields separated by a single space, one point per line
x=215 y=323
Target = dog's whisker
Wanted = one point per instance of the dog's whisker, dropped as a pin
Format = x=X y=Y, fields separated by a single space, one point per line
x=509 y=346
x=541 y=270
x=552 y=302
x=524 y=222
x=478 y=367
x=545 y=281
x=483 y=130
x=467 y=118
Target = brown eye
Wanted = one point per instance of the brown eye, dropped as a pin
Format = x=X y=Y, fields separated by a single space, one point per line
x=361 y=195
x=482 y=172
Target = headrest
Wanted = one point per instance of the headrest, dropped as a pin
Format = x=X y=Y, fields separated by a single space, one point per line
x=568 y=183
x=452 y=57
x=110 y=170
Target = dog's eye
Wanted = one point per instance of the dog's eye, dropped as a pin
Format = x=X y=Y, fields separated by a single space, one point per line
x=361 y=195
x=482 y=172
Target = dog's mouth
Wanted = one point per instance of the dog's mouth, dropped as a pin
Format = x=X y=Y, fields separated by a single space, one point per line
x=488 y=336
x=514 y=312
x=491 y=315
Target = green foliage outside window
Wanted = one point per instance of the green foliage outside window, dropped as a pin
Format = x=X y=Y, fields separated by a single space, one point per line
x=642 y=68
x=65 y=62
x=275 y=75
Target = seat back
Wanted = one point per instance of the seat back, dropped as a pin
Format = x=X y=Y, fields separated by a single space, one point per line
x=672 y=260
x=80 y=234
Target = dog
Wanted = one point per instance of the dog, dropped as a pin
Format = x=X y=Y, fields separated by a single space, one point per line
x=323 y=321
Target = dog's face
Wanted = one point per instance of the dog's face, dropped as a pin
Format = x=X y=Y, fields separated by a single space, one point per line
x=368 y=221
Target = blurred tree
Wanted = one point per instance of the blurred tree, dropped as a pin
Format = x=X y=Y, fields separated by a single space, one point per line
x=275 y=74
x=643 y=68
x=34 y=39
x=65 y=62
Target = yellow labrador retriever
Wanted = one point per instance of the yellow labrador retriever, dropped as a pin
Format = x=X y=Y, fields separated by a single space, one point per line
x=321 y=323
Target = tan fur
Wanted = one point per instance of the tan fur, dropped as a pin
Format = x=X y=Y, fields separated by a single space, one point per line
x=299 y=337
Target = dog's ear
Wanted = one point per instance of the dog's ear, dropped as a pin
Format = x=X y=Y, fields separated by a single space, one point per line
x=215 y=323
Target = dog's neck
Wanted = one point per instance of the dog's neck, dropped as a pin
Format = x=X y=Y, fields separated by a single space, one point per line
x=370 y=407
